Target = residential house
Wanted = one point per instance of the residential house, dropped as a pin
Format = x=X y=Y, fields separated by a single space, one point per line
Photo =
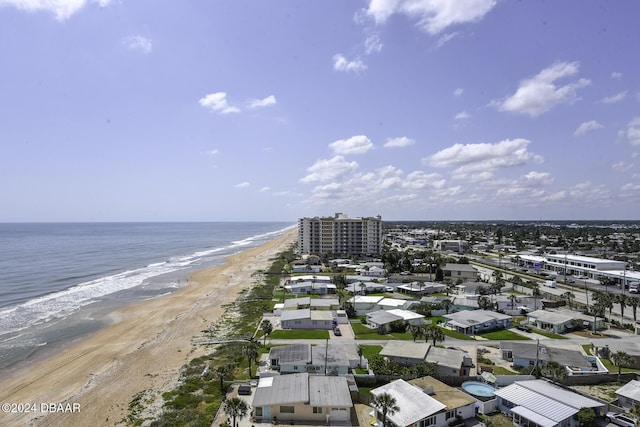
x=629 y=394
x=449 y=362
x=425 y=402
x=365 y=287
x=302 y=398
x=540 y=403
x=531 y=354
x=473 y=322
x=561 y=321
x=384 y=318
x=311 y=287
x=296 y=358
x=306 y=319
x=631 y=347
x=464 y=272
x=363 y=304
x=311 y=303
x=421 y=288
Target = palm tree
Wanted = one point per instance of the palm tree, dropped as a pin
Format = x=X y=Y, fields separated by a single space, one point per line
x=433 y=332
x=387 y=404
x=554 y=371
x=446 y=304
x=360 y=354
x=267 y=328
x=236 y=408
x=633 y=302
x=536 y=293
x=569 y=297
x=485 y=303
x=620 y=359
x=517 y=281
x=222 y=372
x=416 y=331
x=513 y=299
x=622 y=300
x=251 y=351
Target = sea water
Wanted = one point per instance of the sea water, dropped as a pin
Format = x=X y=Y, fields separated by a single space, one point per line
x=58 y=280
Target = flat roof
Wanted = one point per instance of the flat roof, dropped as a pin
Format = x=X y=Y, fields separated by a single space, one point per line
x=409 y=349
x=451 y=397
x=291 y=388
x=630 y=390
x=329 y=391
x=415 y=404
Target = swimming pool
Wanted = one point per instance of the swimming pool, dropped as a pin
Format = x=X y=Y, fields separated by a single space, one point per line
x=477 y=388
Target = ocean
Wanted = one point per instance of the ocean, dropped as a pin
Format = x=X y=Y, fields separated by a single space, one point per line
x=59 y=281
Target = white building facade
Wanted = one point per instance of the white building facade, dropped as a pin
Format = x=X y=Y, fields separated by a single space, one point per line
x=340 y=235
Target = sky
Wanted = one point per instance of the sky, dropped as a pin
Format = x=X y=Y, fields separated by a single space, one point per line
x=158 y=110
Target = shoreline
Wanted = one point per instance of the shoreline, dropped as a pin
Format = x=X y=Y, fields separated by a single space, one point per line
x=141 y=350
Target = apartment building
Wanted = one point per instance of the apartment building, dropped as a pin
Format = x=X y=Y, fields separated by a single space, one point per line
x=340 y=235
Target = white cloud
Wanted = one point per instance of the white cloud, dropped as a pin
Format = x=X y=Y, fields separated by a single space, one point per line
x=587 y=127
x=218 y=103
x=372 y=44
x=484 y=157
x=213 y=152
x=341 y=63
x=398 y=142
x=462 y=115
x=630 y=188
x=446 y=38
x=632 y=132
x=615 y=98
x=458 y=92
x=244 y=184
x=621 y=166
x=358 y=144
x=138 y=43
x=419 y=180
x=63 y=9
x=264 y=189
x=265 y=102
x=432 y=16
x=539 y=94
x=329 y=169
x=616 y=75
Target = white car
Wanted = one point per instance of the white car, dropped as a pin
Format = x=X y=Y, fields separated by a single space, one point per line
x=620 y=419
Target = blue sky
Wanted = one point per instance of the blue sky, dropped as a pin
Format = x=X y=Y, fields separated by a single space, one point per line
x=156 y=110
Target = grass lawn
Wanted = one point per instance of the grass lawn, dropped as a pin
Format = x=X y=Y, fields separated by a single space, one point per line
x=368 y=351
x=548 y=334
x=503 y=335
x=497 y=420
x=297 y=334
x=500 y=370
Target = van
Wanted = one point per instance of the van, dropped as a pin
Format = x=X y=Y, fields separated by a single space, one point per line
x=550 y=283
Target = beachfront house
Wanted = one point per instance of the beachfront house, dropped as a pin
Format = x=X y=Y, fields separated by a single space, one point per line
x=302 y=398
x=473 y=322
x=540 y=403
x=311 y=303
x=523 y=354
x=425 y=402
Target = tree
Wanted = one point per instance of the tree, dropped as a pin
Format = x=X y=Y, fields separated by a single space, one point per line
x=569 y=297
x=416 y=331
x=633 y=302
x=360 y=354
x=267 y=328
x=446 y=304
x=554 y=371
x=620 y=359
x=517 y=281
x=222 y=372
x=496 y=286
x=513 y=299
x=236 y=408
x=485 y=303
x=586 y=417
x=387 y=405
x=251 y=351
x=622 y=300
x=433 y=332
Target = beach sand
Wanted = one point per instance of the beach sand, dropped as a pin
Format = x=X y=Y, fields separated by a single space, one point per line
x=142 y=350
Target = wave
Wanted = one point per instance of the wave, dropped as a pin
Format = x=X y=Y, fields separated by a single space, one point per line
x=60 y=304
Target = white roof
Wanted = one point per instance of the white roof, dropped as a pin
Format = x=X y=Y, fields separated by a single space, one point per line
x=414 y=404
x=630 y=390
x=545 y=399
x=392 y=302
x=533 y=416
x=405 y=314
x=366 y=299
x=467 y=318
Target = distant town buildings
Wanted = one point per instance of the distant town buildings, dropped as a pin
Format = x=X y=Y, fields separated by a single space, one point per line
x=340 y=235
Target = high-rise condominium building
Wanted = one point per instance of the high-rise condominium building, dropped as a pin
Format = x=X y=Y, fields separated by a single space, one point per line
x=340 y=235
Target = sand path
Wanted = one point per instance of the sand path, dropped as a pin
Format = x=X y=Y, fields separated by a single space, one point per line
x=143 y=350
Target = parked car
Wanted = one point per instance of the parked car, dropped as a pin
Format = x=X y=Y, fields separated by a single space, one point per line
x=337 y=332
x=524 y=328
x=620 y=419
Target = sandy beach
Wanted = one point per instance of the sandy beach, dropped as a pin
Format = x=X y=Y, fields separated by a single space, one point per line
x=143 y=349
